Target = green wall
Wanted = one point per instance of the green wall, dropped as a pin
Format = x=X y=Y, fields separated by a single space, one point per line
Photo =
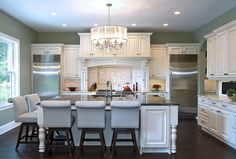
x=199 y=37
x=156 y=37
x=66 y=38
x=16 y=29
x=172 y=37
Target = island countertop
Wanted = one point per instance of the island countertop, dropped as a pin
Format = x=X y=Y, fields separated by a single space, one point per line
x=145 y=99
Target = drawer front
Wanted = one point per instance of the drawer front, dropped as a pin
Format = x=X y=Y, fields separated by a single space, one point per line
x=203 y=111
x=203 y=122
x=39 y=50
x=54 y=50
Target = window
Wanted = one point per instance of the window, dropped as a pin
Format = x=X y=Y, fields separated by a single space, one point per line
x=9 y=68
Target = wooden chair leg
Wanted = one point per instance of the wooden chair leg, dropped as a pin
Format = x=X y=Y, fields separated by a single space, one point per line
x=68 y=141
x=27 y=133
x=19 y=136
x=113 y=147
x=71 y=138
x=102 y=139
x=82 y=141
x=135 y=142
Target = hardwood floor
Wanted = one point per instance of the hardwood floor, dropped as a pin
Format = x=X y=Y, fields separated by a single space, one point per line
x=192 y=143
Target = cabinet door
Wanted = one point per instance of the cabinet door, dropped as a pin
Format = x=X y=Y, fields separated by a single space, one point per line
x=214 y=121
x=85 y=46
x=71 y=62
x=190 y=50
x=159 y=63
x=222 y=54
x=133 y=46
x=116 y=53
x=232 y=52
x=233 y=128
x=144 y=46
x=154 y=127
x=224 y=130
x=176 y=50
x=211 y=56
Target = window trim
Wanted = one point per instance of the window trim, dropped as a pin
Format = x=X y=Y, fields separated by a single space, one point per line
x=16 y=68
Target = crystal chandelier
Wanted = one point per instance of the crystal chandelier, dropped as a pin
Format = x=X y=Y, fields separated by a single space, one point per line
x=109 y=37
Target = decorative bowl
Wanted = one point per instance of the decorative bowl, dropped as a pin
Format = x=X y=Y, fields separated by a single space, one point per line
x=72 y=89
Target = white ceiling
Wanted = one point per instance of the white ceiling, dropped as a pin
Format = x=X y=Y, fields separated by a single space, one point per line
x=149 y=15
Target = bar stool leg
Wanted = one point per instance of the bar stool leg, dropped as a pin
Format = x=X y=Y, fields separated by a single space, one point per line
x=113 y=147
x=68 y=141
x=19 y=136
x=82 y=141
x=102 y=139
x=71 y=138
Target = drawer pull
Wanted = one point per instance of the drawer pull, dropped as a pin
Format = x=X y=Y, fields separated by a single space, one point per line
x=226 y=74
x=213 y=102
x=218 y=111
x=224 y=105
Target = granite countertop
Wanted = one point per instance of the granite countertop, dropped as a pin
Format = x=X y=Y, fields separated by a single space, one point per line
x=145 y=99
x=221 y=98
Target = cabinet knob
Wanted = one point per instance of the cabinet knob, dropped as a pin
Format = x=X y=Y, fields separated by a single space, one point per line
x=212 y=74
x=226 y=74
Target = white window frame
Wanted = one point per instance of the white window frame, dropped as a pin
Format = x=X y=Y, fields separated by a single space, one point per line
x=16 y=69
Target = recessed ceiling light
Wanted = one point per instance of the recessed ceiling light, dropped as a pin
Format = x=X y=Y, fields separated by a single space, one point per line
x=95 y=24
x=165 y=24
x=133 y=24
x=177 y=12
x=53 y=13
x=64 y=25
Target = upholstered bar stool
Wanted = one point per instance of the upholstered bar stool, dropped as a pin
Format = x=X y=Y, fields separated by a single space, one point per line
x=91 y=118
x=124 y=118
x=32 y=100
x=57 y=118
x=27 y=119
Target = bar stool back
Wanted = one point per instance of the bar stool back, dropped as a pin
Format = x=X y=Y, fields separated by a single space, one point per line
x=28 y=120
x=57 y=117
x=124 y=118
x=91 y=118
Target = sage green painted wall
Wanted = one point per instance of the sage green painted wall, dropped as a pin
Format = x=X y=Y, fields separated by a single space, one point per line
x=172 y=37
x=14 y=28
x=66 y=38
x=199 y=37
x=156 y=38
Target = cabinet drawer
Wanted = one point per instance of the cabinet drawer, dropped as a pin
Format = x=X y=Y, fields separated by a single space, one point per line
x=39 y=50
x=203 y=112
x=203 y=122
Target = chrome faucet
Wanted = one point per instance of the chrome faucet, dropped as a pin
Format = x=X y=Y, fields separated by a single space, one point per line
x=109 y=88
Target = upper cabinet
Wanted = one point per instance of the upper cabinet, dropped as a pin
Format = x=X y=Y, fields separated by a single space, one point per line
x=138 y=45
x=159 y=62
x=46 y=48
x=71 y=65
x=182 y=48
x=221 y=50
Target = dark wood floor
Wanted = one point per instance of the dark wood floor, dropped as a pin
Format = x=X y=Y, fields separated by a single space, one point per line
x=192 y=143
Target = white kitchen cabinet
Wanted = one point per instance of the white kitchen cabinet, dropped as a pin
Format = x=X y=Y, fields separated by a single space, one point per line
x=85 y=46
x=138 y=46
x=158 y=65
x=46 y=48
x=183 y=48
x=218 y=118
x=231 y=52
x=224 y=53
x=71 y=64
x=203 y=115
x=211 y=56
x=154 y=127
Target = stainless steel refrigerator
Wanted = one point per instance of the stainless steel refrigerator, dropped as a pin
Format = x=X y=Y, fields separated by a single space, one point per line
x=46 y=75
x=183 y=82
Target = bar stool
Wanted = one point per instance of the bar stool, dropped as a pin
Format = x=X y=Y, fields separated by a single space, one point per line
x=124 y=118
x=32 y=100
x=27 y=119
x=91 y=118
x=57 y=117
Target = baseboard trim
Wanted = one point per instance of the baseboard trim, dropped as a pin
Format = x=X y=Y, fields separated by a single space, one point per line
x=8 y=126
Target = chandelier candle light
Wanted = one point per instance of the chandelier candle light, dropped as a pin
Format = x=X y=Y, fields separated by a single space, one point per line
x=109 y=37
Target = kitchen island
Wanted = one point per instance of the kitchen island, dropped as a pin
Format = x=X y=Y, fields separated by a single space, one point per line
x=158 y=121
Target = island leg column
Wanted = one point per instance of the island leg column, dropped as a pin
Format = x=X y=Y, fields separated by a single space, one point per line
x=41 y=139
x=41 y=129
x=173 y=138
